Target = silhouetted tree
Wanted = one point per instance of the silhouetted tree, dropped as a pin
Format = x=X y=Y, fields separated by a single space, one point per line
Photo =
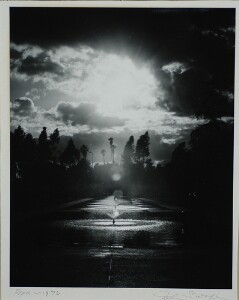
x=84 y=150
x=19 y=132
x=103 y=152
x=71 y=154
x=142 y=148
x=111 y=140
x=55 y=137
x=43 y=137
x=128 y=153
x=148 y=163
x=17 y=152
x=17 y=141
x=29 y=148
x=43 y=146
x=54 y=141
x=178 y=154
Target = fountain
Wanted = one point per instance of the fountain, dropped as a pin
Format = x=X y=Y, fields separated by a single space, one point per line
x=114 y=214
x=121 y=222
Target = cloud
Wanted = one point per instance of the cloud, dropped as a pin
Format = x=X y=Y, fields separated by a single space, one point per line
x=35 y=94
x=34 y=60
x=183 y=61
x=227 y=94
x=190 y=54
x=23 y=107
x=39 y=65
x=196 y=92
x=85 y=114
x=87 y=126
x=14 y=53
x=226 y=33
x=175 y=67
x=92 y=74
x=25 y=50
x=29 y=62
x=113 y=82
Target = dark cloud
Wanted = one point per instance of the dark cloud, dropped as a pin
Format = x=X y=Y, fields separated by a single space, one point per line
x=85 y=114
x=15 y=54
x=39 y=65
x=195 y=92
x=210 y=60
x=224 y=34
x=23 y=107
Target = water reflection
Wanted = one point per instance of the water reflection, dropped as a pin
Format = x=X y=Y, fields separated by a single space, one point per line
x=129 y=232
x=121 y=224
x=113 y=221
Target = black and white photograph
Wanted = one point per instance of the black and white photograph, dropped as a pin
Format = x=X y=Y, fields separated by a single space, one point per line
x=122 y=148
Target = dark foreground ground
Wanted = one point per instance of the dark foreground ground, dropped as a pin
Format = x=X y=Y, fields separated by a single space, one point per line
x=79 y=246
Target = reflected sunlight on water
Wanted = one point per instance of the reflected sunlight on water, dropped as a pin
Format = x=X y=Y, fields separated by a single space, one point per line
x=120 y=224
x=110 y=222
x=126 y=232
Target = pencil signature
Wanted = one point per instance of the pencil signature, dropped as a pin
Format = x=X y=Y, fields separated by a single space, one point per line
x=190 y=295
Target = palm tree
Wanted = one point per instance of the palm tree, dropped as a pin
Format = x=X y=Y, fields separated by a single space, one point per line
x=103 y=151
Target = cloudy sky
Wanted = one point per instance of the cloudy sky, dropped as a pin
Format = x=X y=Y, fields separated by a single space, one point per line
x=97 y=73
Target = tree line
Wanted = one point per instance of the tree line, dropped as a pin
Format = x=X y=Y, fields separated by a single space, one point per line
x=24 y=148
x=40 y=170
x=199 y=176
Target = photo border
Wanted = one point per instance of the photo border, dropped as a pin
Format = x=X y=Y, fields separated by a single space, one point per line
x=8 y=292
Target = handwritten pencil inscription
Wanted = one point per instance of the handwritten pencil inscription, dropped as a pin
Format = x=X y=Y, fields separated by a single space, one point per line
x=29 y=293
x=190 y=295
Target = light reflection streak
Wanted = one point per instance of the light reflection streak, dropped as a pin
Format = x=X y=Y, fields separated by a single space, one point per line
x=121 y=224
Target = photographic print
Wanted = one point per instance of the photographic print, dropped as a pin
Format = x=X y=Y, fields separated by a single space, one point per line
x=121 y=147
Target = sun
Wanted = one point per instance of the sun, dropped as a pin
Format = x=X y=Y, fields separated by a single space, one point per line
x=119 y=84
